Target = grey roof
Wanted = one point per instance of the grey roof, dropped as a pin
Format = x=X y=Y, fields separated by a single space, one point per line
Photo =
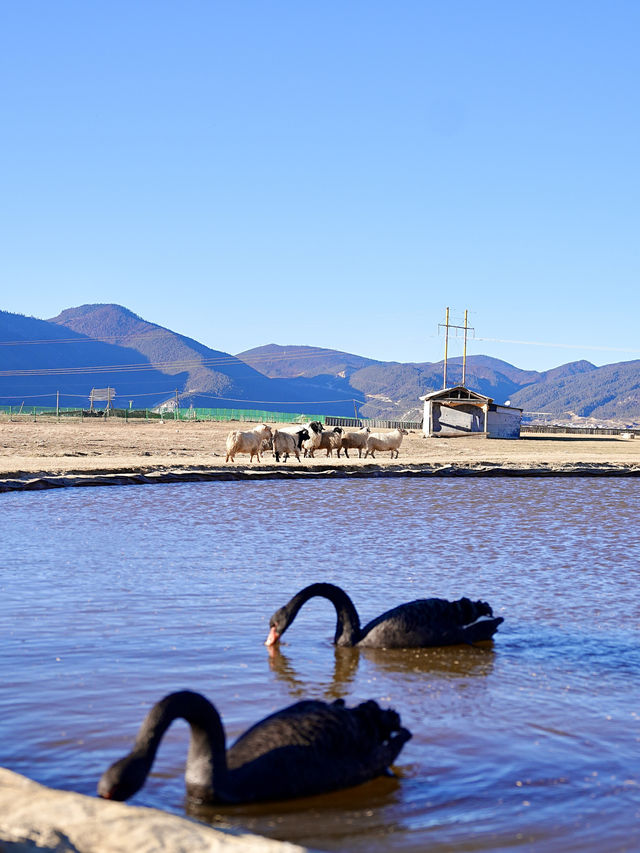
x=458 y=392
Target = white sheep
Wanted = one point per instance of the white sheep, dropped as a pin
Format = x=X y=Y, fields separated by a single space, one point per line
x=330 y=440
x=385 y=441
x=248 y=442
x=355 y=440
x=288 y=444
x=314 y=428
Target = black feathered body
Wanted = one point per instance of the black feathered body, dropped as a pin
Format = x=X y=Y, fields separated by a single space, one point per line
x=430 y=622
x=416 y=624
x=308 y=748
x=280 y=757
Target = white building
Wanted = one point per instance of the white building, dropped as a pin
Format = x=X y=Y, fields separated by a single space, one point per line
x=460 y=411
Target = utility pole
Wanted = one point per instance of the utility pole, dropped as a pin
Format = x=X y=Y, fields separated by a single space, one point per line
x=176 y=407
x=464 y=351
x=447 y=325
x=446 y=348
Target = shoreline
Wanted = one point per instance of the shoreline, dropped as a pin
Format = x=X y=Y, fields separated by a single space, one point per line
x=45 y=481
x=38 y=456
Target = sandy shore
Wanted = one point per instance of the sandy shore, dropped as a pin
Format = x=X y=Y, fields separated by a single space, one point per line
x=49 y=454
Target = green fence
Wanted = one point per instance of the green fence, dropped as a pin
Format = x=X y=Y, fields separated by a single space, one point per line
x=35 y=411
x=252 y=415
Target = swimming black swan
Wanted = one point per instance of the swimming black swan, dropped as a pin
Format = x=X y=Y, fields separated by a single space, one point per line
x=419 y=623
x=308 y=748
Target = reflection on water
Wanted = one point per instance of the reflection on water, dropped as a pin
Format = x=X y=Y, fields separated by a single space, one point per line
x=366 y=810
x=446 y=662
x=114 y=597
x=344 y=670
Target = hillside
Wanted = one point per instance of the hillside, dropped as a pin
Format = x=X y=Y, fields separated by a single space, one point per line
x=42 y=362
x=288 y=361
x=391 y=389
x=204 y=377
x=610 y=393
x=99 y=345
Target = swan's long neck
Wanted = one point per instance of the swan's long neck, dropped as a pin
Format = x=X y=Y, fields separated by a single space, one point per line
x=348 y=621
x=206 y=773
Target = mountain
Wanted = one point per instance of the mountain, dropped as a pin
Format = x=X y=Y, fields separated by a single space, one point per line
x=203 y=377
x=391 y=389
x=43 y=362
x=288 y=361
x=609 y=393
x=108 y=345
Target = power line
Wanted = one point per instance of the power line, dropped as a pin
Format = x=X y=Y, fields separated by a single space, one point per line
x=561 y=345
x=192 y=363
x=176 y=364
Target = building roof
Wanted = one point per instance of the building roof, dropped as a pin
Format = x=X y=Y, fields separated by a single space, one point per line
x=458 y=394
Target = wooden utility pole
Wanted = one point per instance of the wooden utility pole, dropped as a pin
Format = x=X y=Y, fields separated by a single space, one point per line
x=447 y=325
x=446 y=348
x=464 y=350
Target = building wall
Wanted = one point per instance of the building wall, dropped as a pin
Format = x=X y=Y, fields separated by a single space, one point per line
x=449 y=420
x=504 y=422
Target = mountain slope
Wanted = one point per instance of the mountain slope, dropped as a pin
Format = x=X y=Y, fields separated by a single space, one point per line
x=99 y=345
x=390 y=388
x=204 y=377
x=41 y=360
x=608 y=393
x=169 y=352
x=288 y=361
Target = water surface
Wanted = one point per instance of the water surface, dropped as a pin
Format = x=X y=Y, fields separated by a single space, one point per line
x=112 y=598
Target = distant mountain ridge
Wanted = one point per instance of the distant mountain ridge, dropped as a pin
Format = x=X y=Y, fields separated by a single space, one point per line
x=575 y=390
x=42 y=362
x=214 y=379
x=104 y=344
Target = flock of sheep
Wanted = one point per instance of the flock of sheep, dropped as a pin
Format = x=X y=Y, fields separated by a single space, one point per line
x=307 y=438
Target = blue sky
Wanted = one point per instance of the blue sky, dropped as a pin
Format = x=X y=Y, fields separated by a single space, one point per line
x=333 y=174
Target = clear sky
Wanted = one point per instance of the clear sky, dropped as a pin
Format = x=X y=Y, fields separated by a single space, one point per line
x=329 y=173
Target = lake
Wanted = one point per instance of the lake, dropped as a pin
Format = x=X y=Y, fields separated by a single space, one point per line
x=113 y=597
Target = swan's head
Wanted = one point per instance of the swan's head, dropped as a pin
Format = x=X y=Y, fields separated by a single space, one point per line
x=277 y=626
x=123 y=779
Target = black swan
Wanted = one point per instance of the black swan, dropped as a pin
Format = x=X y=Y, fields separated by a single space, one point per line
x=419 y=623
x=308 y=748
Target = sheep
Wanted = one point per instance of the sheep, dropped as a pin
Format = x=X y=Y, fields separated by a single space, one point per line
x=385 y=441
x=248 y=442
x=287 y=444
x=356 y=440
x=330 y=440
x=314 y=428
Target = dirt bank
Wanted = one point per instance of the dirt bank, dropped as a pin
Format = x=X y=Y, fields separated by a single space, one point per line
x=46 y=454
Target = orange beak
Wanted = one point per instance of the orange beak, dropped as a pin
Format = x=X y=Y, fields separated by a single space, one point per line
x=273 y=637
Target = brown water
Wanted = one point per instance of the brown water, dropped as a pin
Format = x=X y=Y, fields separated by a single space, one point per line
x=112 y=597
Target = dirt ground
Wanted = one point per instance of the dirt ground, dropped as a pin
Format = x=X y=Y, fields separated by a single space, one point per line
x=115 y=446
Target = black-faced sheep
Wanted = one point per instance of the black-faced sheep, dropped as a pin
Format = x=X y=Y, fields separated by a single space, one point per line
x=248 y=442
x=330 y=440
x=383 y=441
x=314 y=428
x=356 y=440
x=288 y=445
